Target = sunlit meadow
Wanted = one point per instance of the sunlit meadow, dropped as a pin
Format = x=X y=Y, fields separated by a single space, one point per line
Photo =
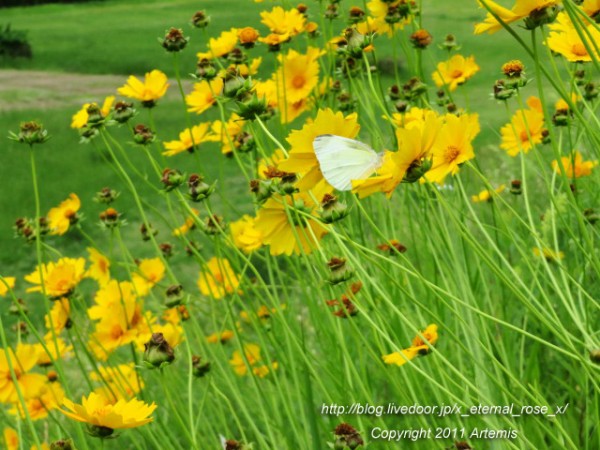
x=321 y=253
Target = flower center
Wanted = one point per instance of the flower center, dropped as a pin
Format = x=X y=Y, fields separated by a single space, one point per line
x=579 y=49
x=452 y=153
x=524 y=136
x=457 y=73
x=116 y=332
x=298 y=81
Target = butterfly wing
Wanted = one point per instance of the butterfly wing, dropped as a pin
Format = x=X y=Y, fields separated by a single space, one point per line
x=343 y=160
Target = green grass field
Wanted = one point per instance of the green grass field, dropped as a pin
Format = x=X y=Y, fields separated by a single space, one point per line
x=515 y=327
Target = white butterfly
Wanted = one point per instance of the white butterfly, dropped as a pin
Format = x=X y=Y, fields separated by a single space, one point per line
x=343 y=160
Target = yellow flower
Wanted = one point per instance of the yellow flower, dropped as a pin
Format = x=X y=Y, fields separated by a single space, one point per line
x=415 y=142
x=80 y=118
x=526 y=129
x=251 y=358
x=274 y=39
x=297 y=75
x=222 y=337
x=419 y=347
x=486 y=194
x=119 y=382
x=454 y=72
x=284 y=225
x=591 y=7
x=548 y=254
x=188 y=225
x=187 y=141
x=414 y=116
x=59 y=315
x=96 y=412
x=22 y=361
x=6 y=284
x=60 y=278
x=99 y=269
x=204 y=95
x=380 y=10
x=38 y=407
x=218 y=279
x=150 y=272
x=11 y=439
x=283 y=22
x=220 y=46
x=267 y=91
x=244 y=235
x=226 y=133
x=247 y=35
x=153 y=88
x=520 y=10
x=120 y=316
x=65 y=214
x=55 y=351
x=302 y=158
x=568 y=43
x=453 y=146
x=574 y=166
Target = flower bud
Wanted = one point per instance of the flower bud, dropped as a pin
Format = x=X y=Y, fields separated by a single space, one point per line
x=421 y=39
x=110 y=218
x=332 y=209
x=157 y=351
x=172 y=179
x=312 y=29
x=52 y=376
x=205 y=70
x=262 y=190
x=595 y=355
x=17 y=308
x=394 y=92
x=541 y=16
x=502 y=91
x=199 y=368
x=590 y=91
x=213 y=225
x=394 y=247
x=166 y=249
x=332 y=11
x=95 y=116
x=198 y=190
x=516 y=187
x=200 y=19
x=418 y=168
x=20 y=328
x=340 y=272
x=253 y=107
x=123 y=111
x=244 y=142
x=30 y=133
x=288 y=183
x=591 y=216
x=63 y=444
x=174 y=40
x=174 y=295
x=347 y=437
x=143 y=135
x=450 y=43
x=147 y=232
x=106 y=195
x=356 y=15
x=99 y=431
x=247 y=37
